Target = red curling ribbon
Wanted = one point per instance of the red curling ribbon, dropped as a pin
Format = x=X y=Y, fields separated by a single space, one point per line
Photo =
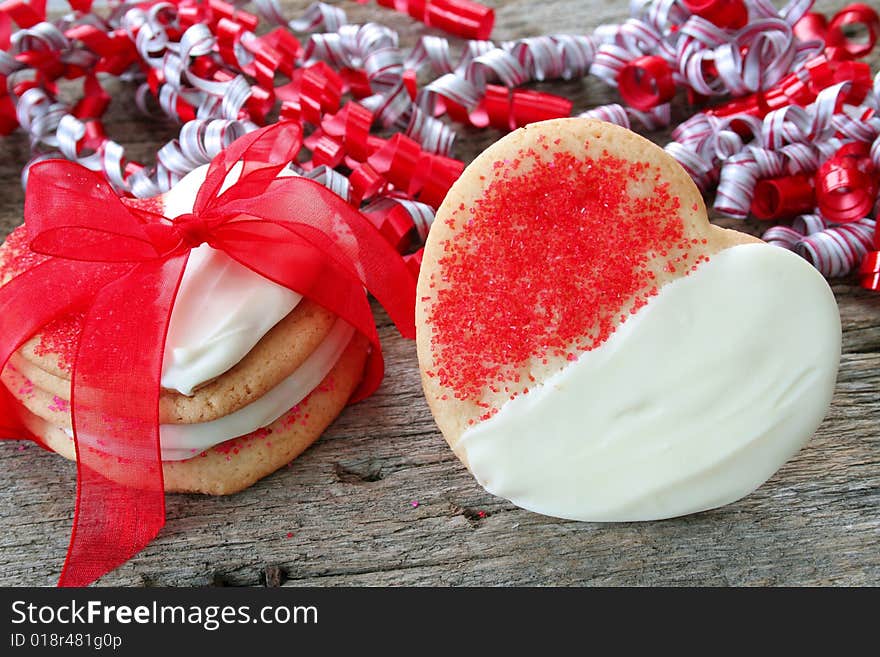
x=259 y=104
x=203 y=67
x=415 y=8
x=796 y=91
x=365 y=182
x=105 y=44
x=435 y=175
x=228 y=35
x=327 y=151
x=352 y=125
x=94 y=101
x=493 y=110
x=397 y=160
x=529 y=106
x=190 y=13
x=47 y=62
x=155 y=79
x=460 y=114
x=646 y=82
x=311 y=92
x=323 y=86
x=24 y=14
x=783 y=198
x=184 y=110
x=463 y=18
x=8 y=114
x=812 y=26
x=93 y=138
x=858 y=150
x=401 y=161
x=267 y=60
x=507 y=109
x=310 y=108
x=411 y=83
x=845 y=188
x=730 y=14
x=822 y=73
x=356 y=82
x=394 y=223
x=869 y=271
x=283 y=42
x=290 y=111
x=122 y=266
x=854 y=14
x=219 y=10
x=414 y=261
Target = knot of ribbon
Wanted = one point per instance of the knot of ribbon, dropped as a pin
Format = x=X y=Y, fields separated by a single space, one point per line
x=121 y=265
x=194 y=231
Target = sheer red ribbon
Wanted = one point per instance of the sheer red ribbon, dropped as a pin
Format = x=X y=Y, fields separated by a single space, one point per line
x=122 y=266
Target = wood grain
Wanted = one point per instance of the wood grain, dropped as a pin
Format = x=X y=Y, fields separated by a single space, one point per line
x=348 y=503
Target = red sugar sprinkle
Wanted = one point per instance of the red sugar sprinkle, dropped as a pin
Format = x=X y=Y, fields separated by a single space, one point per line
x=545 y=264
x=59 y=404
x=17 y=256
x=26 y=389
x=61 y=338
x=152 y=204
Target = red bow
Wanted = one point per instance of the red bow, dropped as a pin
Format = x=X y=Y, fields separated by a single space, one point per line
x=122 y=266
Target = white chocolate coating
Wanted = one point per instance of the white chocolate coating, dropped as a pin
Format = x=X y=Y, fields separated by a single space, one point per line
x=222 y=308
x=691 y=404
x=183 y=441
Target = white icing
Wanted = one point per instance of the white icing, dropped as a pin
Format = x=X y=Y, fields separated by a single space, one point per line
x=222 y=308
x=691 y=404
x=183 y=441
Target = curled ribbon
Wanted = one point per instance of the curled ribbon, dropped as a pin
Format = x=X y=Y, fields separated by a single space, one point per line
x=121 y=265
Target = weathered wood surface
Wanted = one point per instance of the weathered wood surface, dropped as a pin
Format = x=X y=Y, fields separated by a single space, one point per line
x=347 y=503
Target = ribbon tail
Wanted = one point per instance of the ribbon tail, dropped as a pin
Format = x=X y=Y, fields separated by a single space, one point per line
x=11 y=427
x=120 y=504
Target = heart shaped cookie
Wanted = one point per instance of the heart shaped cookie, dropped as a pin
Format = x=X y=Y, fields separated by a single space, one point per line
x=593 y=348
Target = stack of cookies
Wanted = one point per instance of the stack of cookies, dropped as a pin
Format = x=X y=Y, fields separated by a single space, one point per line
x=252 y=374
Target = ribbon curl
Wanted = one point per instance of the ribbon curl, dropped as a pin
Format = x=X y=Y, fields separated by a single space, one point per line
x=122 y=265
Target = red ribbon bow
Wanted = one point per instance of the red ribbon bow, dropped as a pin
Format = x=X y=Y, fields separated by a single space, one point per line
x=122 y=266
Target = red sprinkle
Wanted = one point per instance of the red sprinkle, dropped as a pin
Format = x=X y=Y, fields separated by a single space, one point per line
x=557 y=251
x=59 y=337
x=17 y=256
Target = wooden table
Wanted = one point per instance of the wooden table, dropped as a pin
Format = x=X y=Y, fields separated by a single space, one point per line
x=346 y=513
